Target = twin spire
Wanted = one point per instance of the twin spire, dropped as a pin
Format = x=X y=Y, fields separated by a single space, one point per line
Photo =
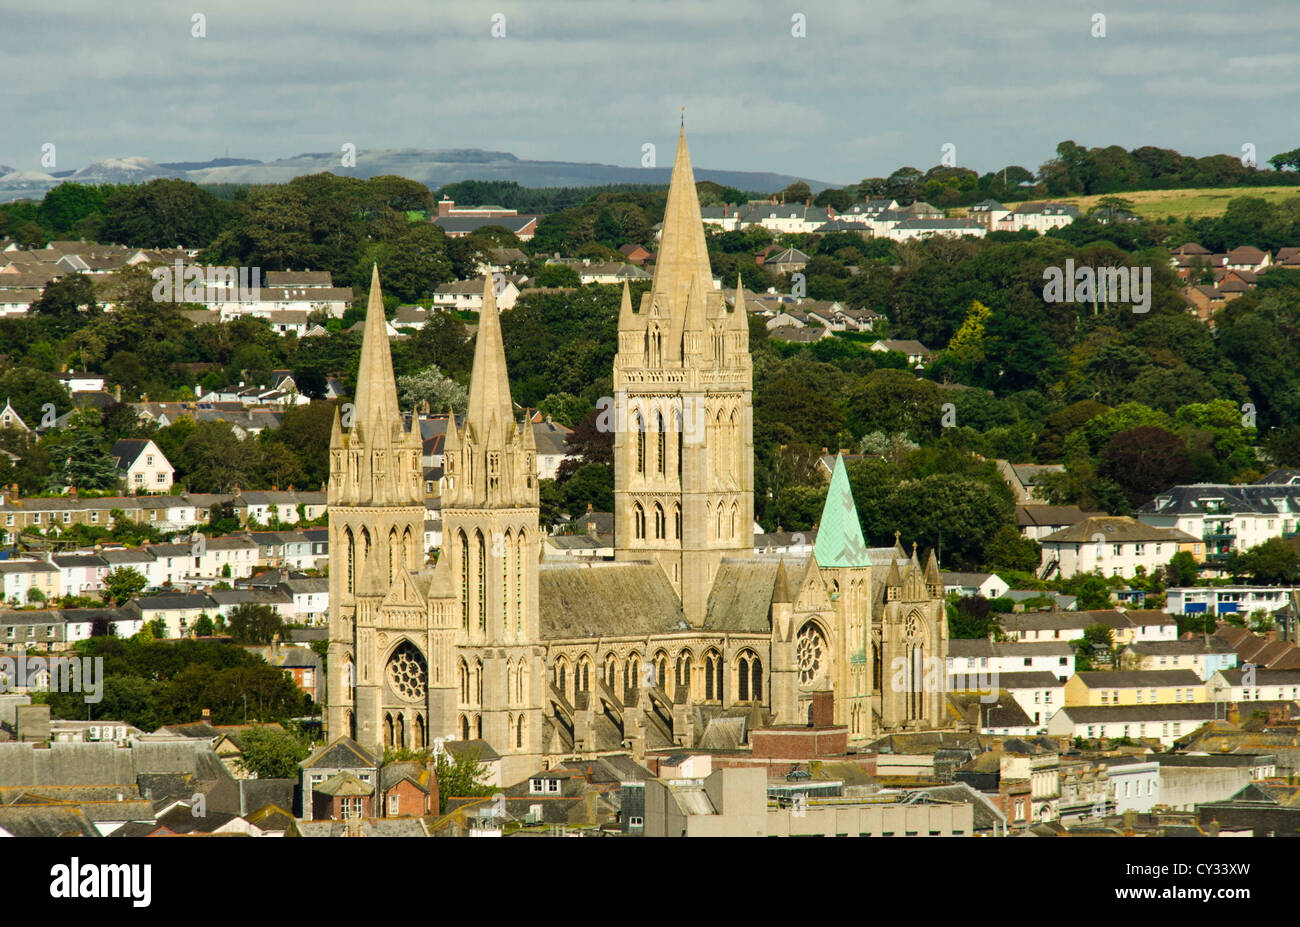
x=376 y=399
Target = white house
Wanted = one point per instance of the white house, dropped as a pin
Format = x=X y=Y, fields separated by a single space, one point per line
x=981 y=657
x=988 y=585
x=1250 y=684
x=1113 y=546
x=142 y=466
x=1163 y=722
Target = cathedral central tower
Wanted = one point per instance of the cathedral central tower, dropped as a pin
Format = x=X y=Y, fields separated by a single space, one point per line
x=683 y=379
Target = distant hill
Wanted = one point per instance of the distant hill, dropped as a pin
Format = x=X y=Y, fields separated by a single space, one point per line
x=433 y=168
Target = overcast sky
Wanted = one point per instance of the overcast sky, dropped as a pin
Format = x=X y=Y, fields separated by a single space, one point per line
x=874 y=85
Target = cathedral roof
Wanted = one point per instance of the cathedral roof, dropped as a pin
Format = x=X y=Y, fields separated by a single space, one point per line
x=839 y=534
x=741 y=597
x=578 y=600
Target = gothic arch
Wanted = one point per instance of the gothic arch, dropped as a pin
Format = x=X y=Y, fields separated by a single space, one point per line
x=611 y=670
x=661 y=524
x=661 y=669
x=481 y=584
x=677 y=521
x=682 y=677
x=733 y=446
x=638 y=519
x=507 y=600
x=463 y=668
x=350 y=545
x=463 y=544
x=749 y=676
x=713 y=688
x=661 y=444
x=582 y=675
x=519 y=732
x=408 y=550
x=407 y=671
x=639 y=424
x=562 y=675
x=632 y=672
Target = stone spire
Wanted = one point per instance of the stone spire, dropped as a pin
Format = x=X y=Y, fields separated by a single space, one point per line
x=376 y=399
x=839 y=534
x=683 y=259
x=781 y=587
x=489 y=386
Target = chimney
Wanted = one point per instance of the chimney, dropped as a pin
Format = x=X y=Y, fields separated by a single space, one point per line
x=117 y=393
x=823 y=708
x=445 y=206
x=207 y=715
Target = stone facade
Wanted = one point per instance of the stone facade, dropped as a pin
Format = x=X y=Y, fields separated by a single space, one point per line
x=686 y=638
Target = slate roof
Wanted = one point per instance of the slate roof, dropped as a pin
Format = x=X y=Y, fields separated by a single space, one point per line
x=343 y=753
x=1221 y=499
x=606 y=600
x=1100 y=714
x=741 y=597
x=1101 y=679
x=46 y=821
x=1115 y=529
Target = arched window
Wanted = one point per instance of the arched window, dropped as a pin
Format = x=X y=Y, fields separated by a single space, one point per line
x=464 y=682
x=365 y=545
x=683 y=675
x=638 y=521
x=392 y=554
x=735 y=520
x=478 y=726
x=401 y=730
x=482 y=580
x=640 y=443
x=521 y=682
x=506 y=598
x=464 y=727
x=561 y=673
x=611 y=670
x=350 y=546
x=464 y=579
x=722 y=517
x=510 y=682
x=720 y=441
x=677 y=521
x=519 y=583
x=582 y=675
x=661 y=527
x=661 y=670
x=388 y=730
x=519 y=732
x=632 y=672
x=408 y=550
x=661 y=438
x=677 y=426
x=478 y=682
x=749 y=677
x=733 y=451
x=712 y=675
x=421 y=733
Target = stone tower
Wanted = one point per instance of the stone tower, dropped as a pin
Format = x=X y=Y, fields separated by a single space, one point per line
x=683 y=446
x=841 y=555
x=491 y=542
x=376 y=525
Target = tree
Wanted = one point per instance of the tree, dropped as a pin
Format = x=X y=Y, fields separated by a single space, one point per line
x=1145 y=461
x=1182 y=569
x=1009 y=549
x=254 y=623
x=204 y=626
x=1272 y=563
x=1093 y=593
x=124 y=584
x=460 y=776
x=432 y=386
x=273 y=754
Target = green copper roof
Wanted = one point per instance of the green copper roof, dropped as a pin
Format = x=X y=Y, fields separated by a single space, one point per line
x=839 y=535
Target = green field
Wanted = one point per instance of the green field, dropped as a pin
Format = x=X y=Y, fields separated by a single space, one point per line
x=1192 y=202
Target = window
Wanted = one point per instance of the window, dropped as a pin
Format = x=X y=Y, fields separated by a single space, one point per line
x=162 y=477
x=139 y=478
x=149 y=460
x=552 y=785
x=635 y=821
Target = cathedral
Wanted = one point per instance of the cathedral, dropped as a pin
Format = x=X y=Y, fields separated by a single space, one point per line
x=686 y=638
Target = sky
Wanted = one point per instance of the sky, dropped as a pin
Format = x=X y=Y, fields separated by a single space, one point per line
x=870 y=87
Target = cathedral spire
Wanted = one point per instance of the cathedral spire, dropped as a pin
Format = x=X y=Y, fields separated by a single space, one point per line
x=683 y=258
x=839 y=534
x=376 y=398
x=489 y=386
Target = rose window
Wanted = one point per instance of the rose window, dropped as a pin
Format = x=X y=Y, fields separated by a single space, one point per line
x=408 y=673
x=810 y=650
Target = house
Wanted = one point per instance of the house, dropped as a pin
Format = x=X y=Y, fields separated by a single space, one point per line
x=1204 y=656
x=1226 y=600
x=1166 y=722
x=917 y=354
x=1041 y=217
x=786 y=262
x=1247 y=257
x=1037 y=521
x=1251 y=684
x=177 y=611
x=1039 y=693
x=1113 y=546
x=981 y=659
x=408 y=788
x=792 y=335
x=1227 y=517
x=1023 y=480
x=337 y=762
x=988 y=585
x=1125 y=625
x=987 y=213
x=10 y=419
x=44 y=629
x=142 y=466
x=910 y=229
x=1134 y=687
x=467 y=295
x=460 y=225
x=24 y=582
